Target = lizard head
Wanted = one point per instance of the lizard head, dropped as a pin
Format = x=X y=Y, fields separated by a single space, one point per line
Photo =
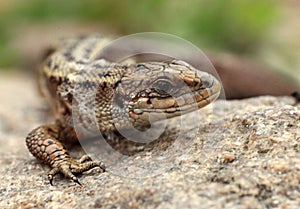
x=164 y=90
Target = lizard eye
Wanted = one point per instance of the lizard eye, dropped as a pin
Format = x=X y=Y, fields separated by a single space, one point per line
x=163 y=85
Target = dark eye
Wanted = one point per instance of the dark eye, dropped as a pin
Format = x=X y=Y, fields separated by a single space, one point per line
x=163 y=85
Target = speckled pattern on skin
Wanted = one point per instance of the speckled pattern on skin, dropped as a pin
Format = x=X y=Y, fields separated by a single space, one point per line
x=164 y=89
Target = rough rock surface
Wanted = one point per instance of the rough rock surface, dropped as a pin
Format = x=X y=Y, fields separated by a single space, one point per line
x=245 y=154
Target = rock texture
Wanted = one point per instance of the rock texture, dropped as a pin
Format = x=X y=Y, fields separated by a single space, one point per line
x=245 y=154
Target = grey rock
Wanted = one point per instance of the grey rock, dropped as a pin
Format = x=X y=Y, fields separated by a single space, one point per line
x=234 y=154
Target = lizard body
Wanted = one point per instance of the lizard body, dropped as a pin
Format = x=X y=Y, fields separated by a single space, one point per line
x=124 y=95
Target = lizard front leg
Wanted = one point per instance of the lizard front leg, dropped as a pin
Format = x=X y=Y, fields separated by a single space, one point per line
x=43 y=142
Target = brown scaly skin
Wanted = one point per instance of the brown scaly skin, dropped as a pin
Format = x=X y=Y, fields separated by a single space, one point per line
x=138 y=91
x=43 y=144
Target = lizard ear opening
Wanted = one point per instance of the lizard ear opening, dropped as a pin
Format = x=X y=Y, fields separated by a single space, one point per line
x=118 y=100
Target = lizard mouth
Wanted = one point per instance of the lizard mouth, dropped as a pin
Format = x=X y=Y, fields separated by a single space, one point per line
x=179 y=105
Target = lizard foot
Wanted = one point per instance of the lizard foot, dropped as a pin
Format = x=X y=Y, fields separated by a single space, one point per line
x=69 y=170
x=43 y=142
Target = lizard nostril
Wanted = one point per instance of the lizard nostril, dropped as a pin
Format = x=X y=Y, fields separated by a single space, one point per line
x=195 y=83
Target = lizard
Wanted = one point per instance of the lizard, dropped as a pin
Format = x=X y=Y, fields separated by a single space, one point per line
x=168 y=88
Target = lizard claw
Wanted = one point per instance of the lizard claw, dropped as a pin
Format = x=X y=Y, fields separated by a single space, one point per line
x=76 y=181
x=50 y=177
x=102 y=166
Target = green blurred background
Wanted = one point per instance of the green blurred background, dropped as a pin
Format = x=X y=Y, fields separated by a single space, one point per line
x=243 y=27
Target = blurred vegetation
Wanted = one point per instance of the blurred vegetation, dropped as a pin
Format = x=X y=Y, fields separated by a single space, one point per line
x=234 y=25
